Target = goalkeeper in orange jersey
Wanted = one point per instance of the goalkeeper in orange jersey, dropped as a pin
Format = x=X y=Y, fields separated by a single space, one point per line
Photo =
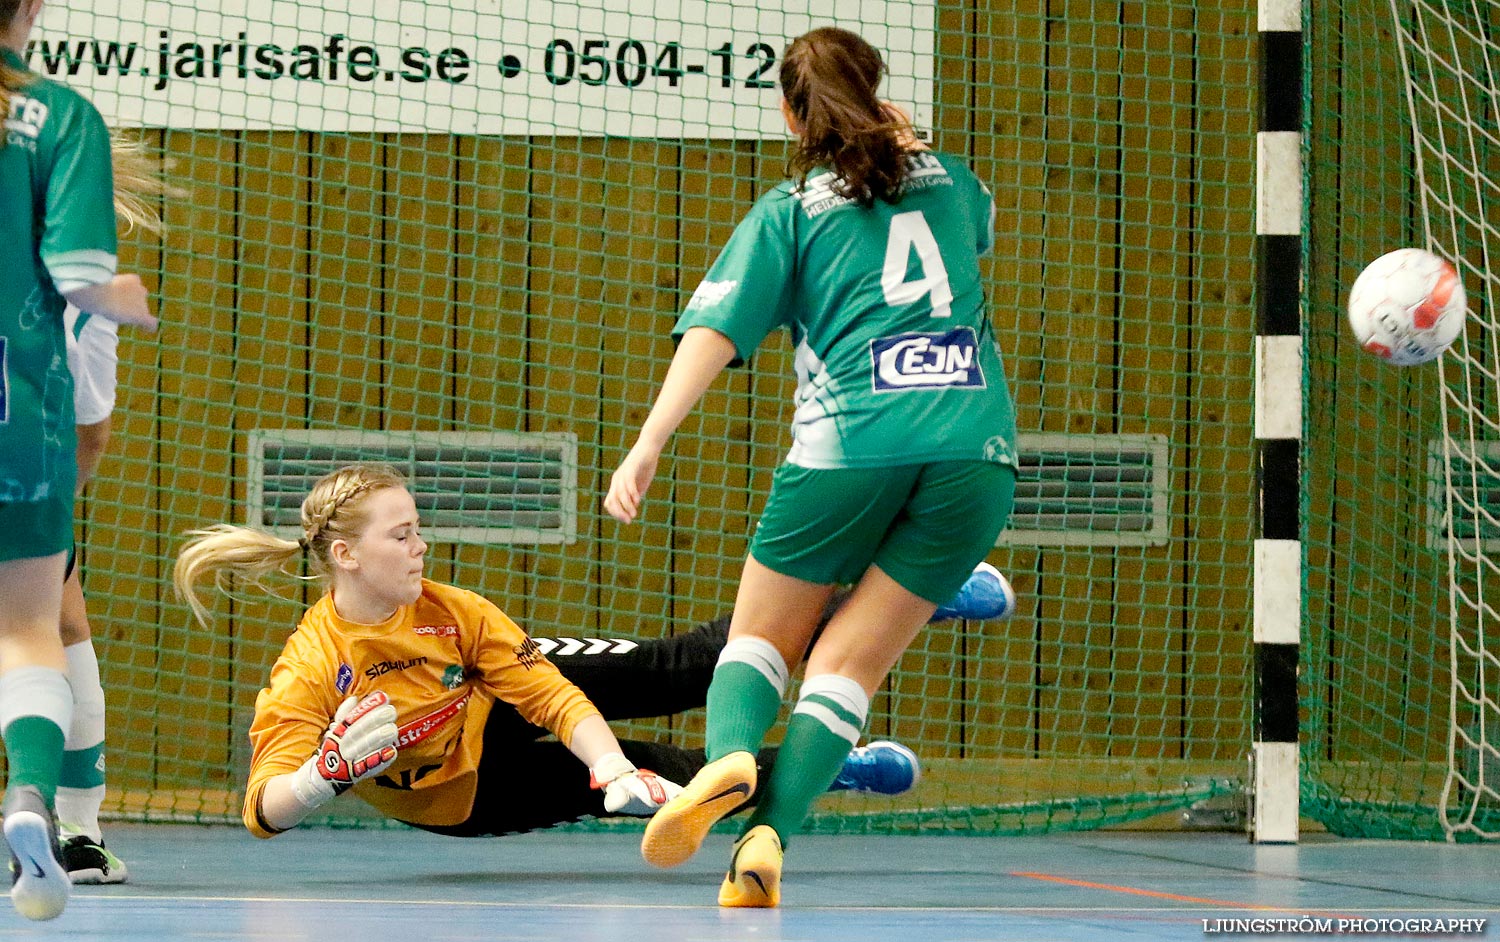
x=426 y=699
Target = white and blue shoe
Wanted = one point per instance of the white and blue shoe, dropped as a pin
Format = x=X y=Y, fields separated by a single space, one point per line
x=881 y=768
x=40 y=887
x=986 y=596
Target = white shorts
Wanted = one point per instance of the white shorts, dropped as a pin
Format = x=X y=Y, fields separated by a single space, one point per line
x=94 y=360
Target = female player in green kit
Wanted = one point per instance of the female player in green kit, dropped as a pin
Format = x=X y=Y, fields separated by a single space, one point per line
x=902 y=467
x=57 y=214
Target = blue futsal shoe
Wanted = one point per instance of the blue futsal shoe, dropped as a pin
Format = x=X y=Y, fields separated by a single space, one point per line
x=882 y=768
x=987 y=595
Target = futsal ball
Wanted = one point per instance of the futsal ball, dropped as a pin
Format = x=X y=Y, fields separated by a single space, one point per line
x=1407 y=307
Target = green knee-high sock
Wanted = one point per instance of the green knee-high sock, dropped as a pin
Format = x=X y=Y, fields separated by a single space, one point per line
x=36 y=706
x=744 y=696
x=825 y=725
x=34 y=746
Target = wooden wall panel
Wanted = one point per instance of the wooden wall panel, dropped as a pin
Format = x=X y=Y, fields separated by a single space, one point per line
x=1009 y=108
x=1379 y=684
x=1079 y=355
x=418 y=256
x=637 y=281
x=492 y=288
x=346 y=325
x=564 y=328
x=1220 y=452
x=1157 y=122
x=711 y=457
x=197 y=442
x=123 y=542
x=271 y=374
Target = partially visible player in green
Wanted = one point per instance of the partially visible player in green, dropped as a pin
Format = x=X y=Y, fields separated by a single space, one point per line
x=58 y=222
x=902 y=468
x=93 y=361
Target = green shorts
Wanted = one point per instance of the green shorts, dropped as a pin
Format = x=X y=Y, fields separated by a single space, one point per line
x=925 y=525
x=36 y=528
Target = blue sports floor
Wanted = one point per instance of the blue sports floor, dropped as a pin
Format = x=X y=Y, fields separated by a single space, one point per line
x=211 y=883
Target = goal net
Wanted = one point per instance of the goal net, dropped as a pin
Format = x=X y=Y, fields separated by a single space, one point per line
x=454 y=235
x=1401 y=725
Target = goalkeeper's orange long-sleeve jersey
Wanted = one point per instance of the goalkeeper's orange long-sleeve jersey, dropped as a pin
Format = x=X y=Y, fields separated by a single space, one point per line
x=443 y=661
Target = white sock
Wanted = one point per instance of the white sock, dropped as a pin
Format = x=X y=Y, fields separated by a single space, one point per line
x=78 y=807
x=36 y=691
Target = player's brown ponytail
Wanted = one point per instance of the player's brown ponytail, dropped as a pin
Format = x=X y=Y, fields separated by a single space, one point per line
x=829 y=78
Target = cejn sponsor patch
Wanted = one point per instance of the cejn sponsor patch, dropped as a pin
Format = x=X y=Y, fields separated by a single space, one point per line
x=926 y=361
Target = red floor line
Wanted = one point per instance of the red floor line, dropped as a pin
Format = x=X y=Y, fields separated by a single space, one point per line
x=1157 y=894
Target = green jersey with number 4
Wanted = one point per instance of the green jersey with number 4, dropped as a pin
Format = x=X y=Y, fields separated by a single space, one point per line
x=895 y=356
x=58 y=220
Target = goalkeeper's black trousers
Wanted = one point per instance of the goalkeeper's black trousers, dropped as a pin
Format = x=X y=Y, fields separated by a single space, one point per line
x=527 y=783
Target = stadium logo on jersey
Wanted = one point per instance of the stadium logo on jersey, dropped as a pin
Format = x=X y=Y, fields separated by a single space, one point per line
x=385 y=667
x=344 y=679
x=710 y=293
x=926 y=361
x=437 y=631
x=453 y=676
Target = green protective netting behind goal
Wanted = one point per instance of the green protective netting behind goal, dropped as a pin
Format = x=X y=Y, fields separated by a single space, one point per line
x=1399 y=686
x=457 y=240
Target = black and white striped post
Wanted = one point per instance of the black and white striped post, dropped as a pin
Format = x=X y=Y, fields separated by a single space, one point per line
x=1278 y=423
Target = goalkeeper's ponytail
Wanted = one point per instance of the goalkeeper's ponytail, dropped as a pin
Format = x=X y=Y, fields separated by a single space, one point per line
x=229 y=555
x=140 y=182
x=236 y=557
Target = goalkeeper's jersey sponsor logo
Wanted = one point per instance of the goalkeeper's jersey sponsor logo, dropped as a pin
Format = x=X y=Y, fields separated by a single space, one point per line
x=423 y=727
x=529 y=653
x=926 y=361
x=385 y=667
x=344 y=679
x=437 y=631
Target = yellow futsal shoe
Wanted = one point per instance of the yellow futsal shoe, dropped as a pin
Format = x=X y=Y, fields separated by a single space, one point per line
x=754 y=877
x=675 y=832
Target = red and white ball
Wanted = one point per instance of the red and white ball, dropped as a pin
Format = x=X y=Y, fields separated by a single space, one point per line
x=1407 y=307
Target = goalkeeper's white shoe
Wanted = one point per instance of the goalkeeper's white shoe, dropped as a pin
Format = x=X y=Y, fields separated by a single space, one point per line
x=88 y=861
x=40 y=888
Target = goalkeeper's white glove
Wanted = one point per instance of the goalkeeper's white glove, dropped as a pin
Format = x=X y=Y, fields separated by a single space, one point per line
x=360 y=743
x=629 y=790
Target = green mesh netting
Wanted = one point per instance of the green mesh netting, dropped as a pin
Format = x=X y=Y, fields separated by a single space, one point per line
x=1399 y=686
x=458 y=236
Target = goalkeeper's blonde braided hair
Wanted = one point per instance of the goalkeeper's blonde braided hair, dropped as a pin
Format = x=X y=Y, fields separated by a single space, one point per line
x=235 y=556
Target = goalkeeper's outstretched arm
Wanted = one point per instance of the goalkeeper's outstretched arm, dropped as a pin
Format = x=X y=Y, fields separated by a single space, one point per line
x=359 y=744
x=627 y=789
